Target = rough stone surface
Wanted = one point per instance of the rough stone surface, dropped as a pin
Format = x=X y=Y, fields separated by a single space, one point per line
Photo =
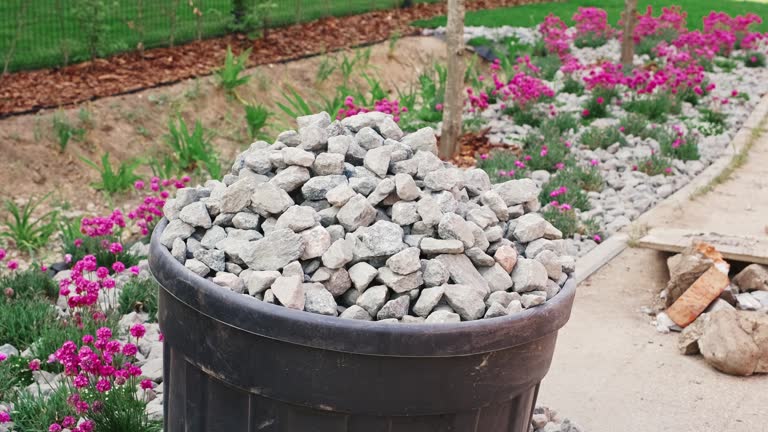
x=736 y=342
x=356 y=203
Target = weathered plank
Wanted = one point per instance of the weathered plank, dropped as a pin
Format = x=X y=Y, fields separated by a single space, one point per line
x=746 y=249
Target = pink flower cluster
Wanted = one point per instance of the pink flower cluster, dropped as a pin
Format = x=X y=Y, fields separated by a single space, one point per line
x=384 y=105
x=671 y=19
x=85 y=282
x=151 y=207
x=554 y=32
x=563 y=207
x=592 y=22
x=11 y=265
x=605 y=75
x=102 y=226
x=98 y=365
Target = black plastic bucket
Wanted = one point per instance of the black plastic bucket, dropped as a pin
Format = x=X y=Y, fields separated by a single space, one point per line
x=236 y=364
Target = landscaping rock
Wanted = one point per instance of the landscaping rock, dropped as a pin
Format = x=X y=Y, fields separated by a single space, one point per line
x=754 y=277
x=354 y=203
x=736 y=342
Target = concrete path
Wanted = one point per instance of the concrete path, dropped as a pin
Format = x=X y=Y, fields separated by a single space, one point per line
x=613 y=372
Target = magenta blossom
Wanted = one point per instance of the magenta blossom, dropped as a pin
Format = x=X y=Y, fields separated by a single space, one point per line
x=138 y=331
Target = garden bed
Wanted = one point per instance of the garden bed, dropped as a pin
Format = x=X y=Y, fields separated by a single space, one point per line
x=608 y=148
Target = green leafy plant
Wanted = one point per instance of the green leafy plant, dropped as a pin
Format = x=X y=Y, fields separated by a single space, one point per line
x=754 y=59
x=256 y=117
x=14 y=373
x=35 y=412
x=603 y=138
x=654 y=165
x=294 y=104
x=139 y=295
x=654 y=108
x=500 y=166
x=22 y=320
x=524 y=116
x=114 y=181
x=29 y=284
x=597 y=105
x=79 y=245
x=573 y=86
x=568 y=222
x=228 y=75
x=590 y=41
x=714 y=117
x=125 y=412
x=325 y=69
x=548 y=66
x=252 y=16
x=562 y=122
x=192 y=151
x=727 y=65
x=65 y=131
x=28 y=232
x=91 y=18
x=633 y=124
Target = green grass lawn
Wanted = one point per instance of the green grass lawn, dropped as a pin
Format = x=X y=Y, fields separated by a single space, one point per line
x=45 y=32
x=529 y=15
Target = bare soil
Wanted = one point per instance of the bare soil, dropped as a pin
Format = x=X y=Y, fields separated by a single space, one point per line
x=132 y=126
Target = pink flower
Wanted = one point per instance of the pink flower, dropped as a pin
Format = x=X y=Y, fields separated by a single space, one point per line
x=668 y=170
x=3 y=357
x=597 y=238
x=2 y=254
x=129 y=350
x=565 y=207
x=103 y=385
x=734 y=93
x=559 y=166
x=147 y=384
x=78 y=242
x=753 y=59
x=104 y=334
x=68 y=258
x=135 y=270
x=502 y=173
x=186 y=179
x=600 y=100
x=12 y=265
x=4 y=417
x=68 y=421
x=116 y=248
x=138 y=331
x=594 y=162
x=621 y=129
x=439 y=107
x=568 y=144
x=139 y=185
x=34 y=365
x=54 y=428
x=43 y=268
x=484 y=156
x=585 y=113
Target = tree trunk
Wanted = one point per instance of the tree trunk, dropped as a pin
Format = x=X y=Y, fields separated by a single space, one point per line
x=627 y=43
x=453 y=106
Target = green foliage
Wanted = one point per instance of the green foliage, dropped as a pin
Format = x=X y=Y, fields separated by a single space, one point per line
x=229 y=75
x=654 y=108
x=726 y=65
x=568 y=222
x=523 y=116
x=30 y=284
x=192 y=152
x=714 y=117
x=349 y=64
x=251 y=16
x=597 y=105
x=647 y=45
x=256 y=117
x=498 y=164
x=422 y=102
x=70 y=232
x=139 y=295
x=754 y=59
x=590 y=40
x=535 y=143
x=577 y=180
x=633 y=124
x=66 y=131
x=325 y=69
x=28 y=232
x=295 y=105
x=114 y=181
x=22 y=320
x=563 y=122
x=654 y=165
x=14 y=372
x=124 y=412
x=32 y=413
x=91 y=18
x=603 y=138
x=548 y=65
x=573 y=86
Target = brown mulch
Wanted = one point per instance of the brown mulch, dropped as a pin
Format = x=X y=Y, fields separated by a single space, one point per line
x=123 y=73
x=472 y=144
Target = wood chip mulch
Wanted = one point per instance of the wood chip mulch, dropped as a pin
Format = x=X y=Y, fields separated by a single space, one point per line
x=28 y=91
x=473 y=144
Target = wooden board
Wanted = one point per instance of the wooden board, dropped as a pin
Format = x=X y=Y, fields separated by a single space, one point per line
x=746 y=249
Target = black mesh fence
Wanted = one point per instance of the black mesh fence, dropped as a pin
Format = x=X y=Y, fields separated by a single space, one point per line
x=50 y=33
